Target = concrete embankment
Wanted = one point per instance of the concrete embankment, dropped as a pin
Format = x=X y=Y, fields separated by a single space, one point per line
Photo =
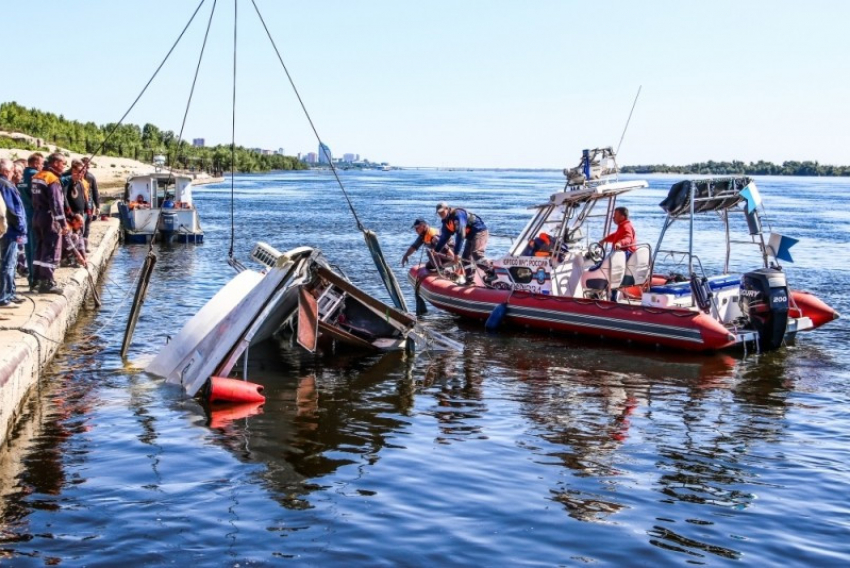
x=32 y=332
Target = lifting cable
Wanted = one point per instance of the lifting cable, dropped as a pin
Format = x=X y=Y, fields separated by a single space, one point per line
x=167 y=55
x=322 y=146
x=371 y=238
x=185 y=116
x=150 y=259
x=233 y=136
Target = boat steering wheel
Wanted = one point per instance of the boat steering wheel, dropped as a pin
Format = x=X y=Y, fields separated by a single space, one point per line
x=595 y=252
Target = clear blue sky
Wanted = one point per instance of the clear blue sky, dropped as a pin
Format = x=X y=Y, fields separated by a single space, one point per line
x=458 y=83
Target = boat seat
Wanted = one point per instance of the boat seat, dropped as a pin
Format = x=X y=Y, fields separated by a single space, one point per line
x=609 y=274
x=637 y=267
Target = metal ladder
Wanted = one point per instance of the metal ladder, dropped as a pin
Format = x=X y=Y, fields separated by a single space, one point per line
x=329 y=301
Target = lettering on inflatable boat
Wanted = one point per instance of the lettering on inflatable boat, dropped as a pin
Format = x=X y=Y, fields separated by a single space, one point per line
x=530 y=262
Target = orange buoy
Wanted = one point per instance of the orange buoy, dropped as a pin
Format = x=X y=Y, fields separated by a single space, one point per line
x=234 y=390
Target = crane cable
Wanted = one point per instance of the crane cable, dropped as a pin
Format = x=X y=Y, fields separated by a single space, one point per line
x=322 y=146
x=233 y=136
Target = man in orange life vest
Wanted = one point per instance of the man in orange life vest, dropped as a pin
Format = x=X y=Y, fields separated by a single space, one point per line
x=541 y=245
x=48 y=203
x=624 y=237
x=427 y=236
x=470 y=233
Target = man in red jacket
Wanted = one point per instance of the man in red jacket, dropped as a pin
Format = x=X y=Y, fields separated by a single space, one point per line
x=624 y=237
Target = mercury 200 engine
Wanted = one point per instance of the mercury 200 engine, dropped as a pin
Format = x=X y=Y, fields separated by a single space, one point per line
x=764 y=300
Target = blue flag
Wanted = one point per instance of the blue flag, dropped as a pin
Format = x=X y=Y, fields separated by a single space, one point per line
x=752 y=195
x=781 y=246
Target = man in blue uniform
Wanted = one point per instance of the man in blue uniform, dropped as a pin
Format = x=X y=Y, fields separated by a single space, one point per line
x=48 y=203
x=34 y=165
x=16 y=233
x=470 y=233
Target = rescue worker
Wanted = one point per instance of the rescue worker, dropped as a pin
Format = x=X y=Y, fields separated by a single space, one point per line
x=426 y=235
x=624 y=237
x=93 y=206
x=73 y=247
x=470 y=234
x=16 y=233
x=49 y=219
x=76 y=191
x=541 y=245
x=34 y=165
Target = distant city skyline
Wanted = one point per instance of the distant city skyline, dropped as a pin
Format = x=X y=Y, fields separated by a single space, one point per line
x=507 y=85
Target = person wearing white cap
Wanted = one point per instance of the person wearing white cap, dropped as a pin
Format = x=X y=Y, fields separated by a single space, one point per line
x=470 y=234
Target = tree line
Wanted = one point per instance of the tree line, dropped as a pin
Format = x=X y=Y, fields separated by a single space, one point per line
x=138 y=143
x=789 y=168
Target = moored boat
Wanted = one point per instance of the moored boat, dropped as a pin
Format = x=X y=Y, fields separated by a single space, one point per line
x=577 y=286
x=159 y=206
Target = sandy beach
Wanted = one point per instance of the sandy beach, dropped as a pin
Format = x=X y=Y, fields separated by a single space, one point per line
x=111 y=172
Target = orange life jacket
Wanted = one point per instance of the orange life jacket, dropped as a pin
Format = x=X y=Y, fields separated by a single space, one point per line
x=542 y=245
x=431 y=236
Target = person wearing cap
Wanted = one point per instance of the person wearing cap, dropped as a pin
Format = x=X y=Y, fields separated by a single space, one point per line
x=48 y=203
x=426 y=235
x=470 y=234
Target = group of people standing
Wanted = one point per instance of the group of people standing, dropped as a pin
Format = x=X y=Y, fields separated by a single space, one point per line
x=46 y=209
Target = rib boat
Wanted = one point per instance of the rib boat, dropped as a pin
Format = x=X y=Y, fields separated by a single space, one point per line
x=579 y=287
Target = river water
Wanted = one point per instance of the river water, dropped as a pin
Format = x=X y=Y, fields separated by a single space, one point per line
x=524 y=449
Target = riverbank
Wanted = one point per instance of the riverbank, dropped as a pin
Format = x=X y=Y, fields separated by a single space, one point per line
x=31 y=333
x=111 y=172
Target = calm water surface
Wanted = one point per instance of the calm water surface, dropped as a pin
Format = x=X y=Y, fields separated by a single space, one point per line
x=525 y=449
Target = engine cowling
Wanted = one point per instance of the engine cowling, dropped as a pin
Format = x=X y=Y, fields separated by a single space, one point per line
x=764 y=299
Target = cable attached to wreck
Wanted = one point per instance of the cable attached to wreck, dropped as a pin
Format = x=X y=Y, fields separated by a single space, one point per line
x=233 y=134
x=322 y=146
x=155 y=73
x=192 y=89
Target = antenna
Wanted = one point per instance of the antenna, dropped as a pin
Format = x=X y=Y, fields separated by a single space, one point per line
x=628 y=120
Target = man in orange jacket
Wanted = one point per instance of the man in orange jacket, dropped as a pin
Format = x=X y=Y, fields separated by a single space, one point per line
x=624 y=237
x=48 y=203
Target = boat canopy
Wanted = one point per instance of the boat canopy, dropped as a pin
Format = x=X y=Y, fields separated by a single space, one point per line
x=714 y=194
x=154 y=187
x=591 y=193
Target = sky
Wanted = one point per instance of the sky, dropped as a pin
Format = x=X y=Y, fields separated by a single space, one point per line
x=496 y=83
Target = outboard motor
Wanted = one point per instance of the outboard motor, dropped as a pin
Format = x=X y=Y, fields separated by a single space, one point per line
x=169 y=222
x=764 y=300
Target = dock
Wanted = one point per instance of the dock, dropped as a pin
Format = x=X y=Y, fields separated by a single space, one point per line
x=31 y=334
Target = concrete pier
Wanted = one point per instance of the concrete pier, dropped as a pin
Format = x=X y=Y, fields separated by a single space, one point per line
x=31 y=333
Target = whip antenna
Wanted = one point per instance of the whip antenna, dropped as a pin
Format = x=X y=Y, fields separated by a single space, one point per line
x=628 y=120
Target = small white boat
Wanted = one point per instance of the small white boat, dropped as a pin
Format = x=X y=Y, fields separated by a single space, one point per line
x=159 y=205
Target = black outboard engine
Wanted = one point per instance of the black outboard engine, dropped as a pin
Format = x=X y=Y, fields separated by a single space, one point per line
x=764 y=300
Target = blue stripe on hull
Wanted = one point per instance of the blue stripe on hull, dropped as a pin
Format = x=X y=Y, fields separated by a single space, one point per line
x=144 y=238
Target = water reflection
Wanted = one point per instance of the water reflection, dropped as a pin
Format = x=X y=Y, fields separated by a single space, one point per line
x=322 y=412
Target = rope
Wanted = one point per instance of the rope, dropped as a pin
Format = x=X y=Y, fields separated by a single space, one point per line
x=310 y=120
x=233 y=134
x=182 y=126
x=167 y=55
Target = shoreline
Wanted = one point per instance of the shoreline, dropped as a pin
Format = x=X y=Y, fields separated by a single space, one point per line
x=31 y=334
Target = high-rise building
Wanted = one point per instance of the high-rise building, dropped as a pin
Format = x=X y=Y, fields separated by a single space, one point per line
x=198 y=142
x=311 y=157
x=348 y=158
x=325 y=155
